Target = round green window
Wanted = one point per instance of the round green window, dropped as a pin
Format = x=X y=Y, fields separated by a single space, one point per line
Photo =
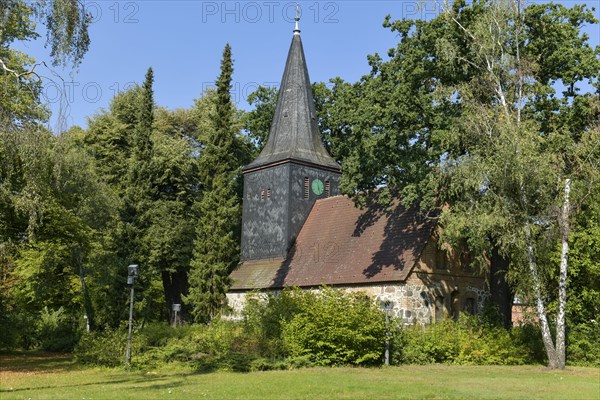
x=317 y=187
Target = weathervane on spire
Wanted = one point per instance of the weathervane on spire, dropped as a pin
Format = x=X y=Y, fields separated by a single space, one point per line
x=297 y=30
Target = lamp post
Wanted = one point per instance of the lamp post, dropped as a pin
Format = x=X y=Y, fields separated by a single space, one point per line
x=387 y=305
x=132 y=274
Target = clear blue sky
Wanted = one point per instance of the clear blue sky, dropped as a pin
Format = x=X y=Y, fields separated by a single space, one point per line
x=183 y=42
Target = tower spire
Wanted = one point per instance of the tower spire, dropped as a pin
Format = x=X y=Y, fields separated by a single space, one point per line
x=294 y=134
x=278 y=183
x=297 y=30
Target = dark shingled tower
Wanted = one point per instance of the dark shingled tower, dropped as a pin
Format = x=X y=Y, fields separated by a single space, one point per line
x=293 y=170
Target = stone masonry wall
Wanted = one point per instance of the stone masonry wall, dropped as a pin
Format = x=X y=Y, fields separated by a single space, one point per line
x=413 y=301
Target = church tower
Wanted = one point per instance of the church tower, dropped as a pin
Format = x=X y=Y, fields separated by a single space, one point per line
x=293 y=170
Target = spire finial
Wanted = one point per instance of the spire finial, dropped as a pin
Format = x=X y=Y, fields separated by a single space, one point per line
x=297 y=30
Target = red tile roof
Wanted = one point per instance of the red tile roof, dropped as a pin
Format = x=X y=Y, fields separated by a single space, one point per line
x=341 y=244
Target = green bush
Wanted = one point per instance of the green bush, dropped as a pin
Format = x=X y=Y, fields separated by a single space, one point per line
x=263 y=364
x=18 y=329
x=296 y=328
x=336 y=328
x=219 y=345
x=531 y=338
x=108 y=348
x=265 y=315
x=583 y=345
x=466 y=341
x=54 y=331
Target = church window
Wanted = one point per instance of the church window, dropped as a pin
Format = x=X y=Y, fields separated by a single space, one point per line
x=327 y=189
x=306 y=188
x=470 y=306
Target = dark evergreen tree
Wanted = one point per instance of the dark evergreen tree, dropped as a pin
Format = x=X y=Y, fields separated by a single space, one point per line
x=217 y=232
x=138 y=193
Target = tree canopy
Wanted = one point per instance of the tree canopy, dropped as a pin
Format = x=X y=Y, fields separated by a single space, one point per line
x=486 y=114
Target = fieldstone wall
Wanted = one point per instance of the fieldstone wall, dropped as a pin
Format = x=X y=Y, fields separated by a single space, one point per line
x=412 y=303
x=236 y=301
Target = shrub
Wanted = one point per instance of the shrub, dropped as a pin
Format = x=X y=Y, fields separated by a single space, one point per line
x=265 y=315
x=438 y=343
x=263 y=364
x=466 y=341
x=530 y=337
x=336 y=328
x=104 y=348
x=218 y=345
x=583 y=346
x=489 y=345
x=54 y=331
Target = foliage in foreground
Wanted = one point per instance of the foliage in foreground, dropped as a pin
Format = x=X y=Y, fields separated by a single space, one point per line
x=330 y=327
x=220 y=345
x=296 y=328
x=467 y=342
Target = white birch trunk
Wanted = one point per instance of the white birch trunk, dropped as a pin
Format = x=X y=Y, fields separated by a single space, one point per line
x=562 y=283
x=539 y=303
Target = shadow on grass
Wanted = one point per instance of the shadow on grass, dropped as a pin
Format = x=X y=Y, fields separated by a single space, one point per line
x=134 y=382
x=36 y=361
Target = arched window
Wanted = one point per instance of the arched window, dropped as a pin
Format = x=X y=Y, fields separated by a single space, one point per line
x=470 y=306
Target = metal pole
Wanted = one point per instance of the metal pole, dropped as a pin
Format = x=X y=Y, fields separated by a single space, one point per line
x=128 y=352
x=387 y=338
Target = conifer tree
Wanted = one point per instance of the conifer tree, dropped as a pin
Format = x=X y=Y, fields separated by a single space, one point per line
x=138 y=190
x=217 y=233
x=142 y=152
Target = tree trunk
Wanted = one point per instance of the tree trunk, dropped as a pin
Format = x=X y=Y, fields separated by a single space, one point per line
x=87 y=302
x=168 y=292
x=175 y=286
x=182 y=290
x=562 y=283
x=553 y=361
x=500 y=292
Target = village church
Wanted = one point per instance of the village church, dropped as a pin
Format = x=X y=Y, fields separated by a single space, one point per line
x=298 y=230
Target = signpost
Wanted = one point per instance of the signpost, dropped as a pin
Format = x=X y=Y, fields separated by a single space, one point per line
x=132 y=274
x=387 y=305
x=176 y=309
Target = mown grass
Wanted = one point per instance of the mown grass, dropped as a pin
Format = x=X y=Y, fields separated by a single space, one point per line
x=43 y=376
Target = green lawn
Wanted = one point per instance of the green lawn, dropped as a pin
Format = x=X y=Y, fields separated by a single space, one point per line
x=58 y=377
